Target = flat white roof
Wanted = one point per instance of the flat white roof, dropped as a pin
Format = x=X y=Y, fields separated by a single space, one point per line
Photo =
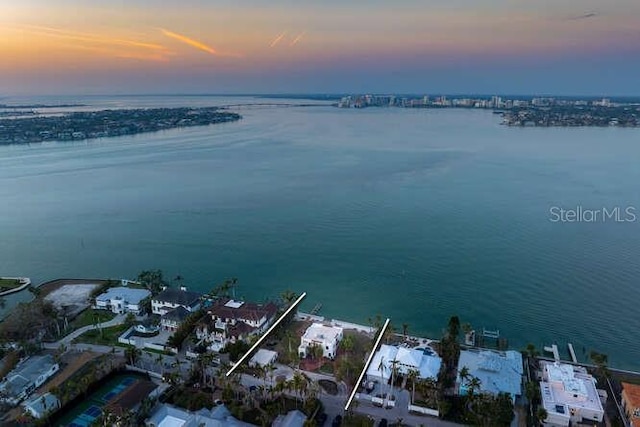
x=568 y=386
x=171 y=421
x=321 y=333
x=263 y=357
x=130 y=295
x=234 y=304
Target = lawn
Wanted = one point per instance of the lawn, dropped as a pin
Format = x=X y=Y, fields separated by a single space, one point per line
x=6 y=284
x=90 y=317
x=106 y=336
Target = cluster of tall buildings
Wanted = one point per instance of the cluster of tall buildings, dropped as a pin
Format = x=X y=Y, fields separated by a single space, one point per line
x=493 y=102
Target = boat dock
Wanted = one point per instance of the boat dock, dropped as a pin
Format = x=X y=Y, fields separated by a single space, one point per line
x=316 y=309
x=572 y=353
x=553 y=349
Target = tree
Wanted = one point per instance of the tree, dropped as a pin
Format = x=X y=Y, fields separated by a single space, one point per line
x=405 y=328
x=531 y=350
x=453 y=328
x=412 y=376
x=131 y=353
x=316 y=352
x=152 y=280
x=464 y=374
x=473 y=385
x=600 y=360
x=541 y=414
x=288 y=297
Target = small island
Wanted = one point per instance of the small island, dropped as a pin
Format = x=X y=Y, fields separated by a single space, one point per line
x=107 y=123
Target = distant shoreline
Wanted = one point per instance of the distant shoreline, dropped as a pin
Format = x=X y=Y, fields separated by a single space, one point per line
x=79 y=126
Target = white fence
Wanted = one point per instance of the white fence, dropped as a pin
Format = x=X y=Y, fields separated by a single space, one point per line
x=422 y=410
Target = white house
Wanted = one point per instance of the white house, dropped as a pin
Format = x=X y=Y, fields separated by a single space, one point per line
x=569 y=395
x=498 y=372
x=41 y=406
x=326 y=337
x=121 y=300
x=171 y=298
x=229 y=321
x=263 y=358
x=424 y=361
x=30 y=374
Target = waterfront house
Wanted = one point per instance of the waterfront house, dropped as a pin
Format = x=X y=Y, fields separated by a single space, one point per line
x=30 y=374
x=229 y=321
x=171 y=298
x=569 y=395
x=41 y=406
x=165 y=415
x=424 y=361
x=326 y=337
x=121 y=300
x=171 y=320
x=631 y=403
x=498 y=372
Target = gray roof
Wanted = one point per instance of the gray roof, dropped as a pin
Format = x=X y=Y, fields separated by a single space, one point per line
x=43 y=404
x=178 y=314
x=498 y=372
x=177 y=296
x=26 y=373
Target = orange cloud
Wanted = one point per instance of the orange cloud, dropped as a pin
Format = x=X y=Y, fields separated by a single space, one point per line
x=189 y=41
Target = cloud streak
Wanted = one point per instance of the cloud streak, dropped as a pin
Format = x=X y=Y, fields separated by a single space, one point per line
x=191 y=42
x=90 y=38
x=297 y=39
x=277 y=39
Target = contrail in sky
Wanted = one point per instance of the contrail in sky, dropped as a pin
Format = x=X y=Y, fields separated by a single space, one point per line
x=277 y=39
x=91 y=38
x=297 y=39
x=583 y=16
x=189 y=41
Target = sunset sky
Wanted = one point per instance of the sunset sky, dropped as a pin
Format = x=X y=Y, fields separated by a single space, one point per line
x=585 y=47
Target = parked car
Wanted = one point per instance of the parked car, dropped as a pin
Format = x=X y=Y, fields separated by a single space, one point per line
x=337 y=421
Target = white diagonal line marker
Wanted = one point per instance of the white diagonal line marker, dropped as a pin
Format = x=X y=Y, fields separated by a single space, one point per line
x=263 y=337
x=366 y=365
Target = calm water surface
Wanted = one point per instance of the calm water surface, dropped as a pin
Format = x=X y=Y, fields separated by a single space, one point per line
x=415 y=215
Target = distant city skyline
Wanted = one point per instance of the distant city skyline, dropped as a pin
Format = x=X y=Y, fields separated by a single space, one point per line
x=437 y=46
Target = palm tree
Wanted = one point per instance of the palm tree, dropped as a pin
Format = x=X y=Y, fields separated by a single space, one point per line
x=405 y=328
x=288 y=296
x=464 y=374
x=412 y=375
x=473 y=385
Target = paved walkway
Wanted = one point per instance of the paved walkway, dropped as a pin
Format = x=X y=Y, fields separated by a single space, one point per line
x=118 y=320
